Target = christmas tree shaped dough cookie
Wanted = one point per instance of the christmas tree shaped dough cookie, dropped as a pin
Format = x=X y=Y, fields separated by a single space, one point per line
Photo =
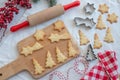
x=100 y=24
x=59 y=25
x=49 y=61
x=37 y=46
x=60 y=56
x=27 y=50
x=38 y=68
x=39 y=35
x=103 y=8
x=108 y=37
x=71 y=50
x=83 y=39
x=97 y=42
x=112 y=18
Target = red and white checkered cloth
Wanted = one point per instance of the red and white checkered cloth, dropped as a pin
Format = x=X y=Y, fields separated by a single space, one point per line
x=106 y=69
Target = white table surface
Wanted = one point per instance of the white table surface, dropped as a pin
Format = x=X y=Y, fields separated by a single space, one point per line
x=8 y=50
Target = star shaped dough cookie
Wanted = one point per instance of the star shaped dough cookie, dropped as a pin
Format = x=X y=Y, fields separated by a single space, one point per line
x=103 y=8
x=39 y=35
x=27 y=50
x=59 y=25
x=112 y=18
x=57 y=37
x=54 y=37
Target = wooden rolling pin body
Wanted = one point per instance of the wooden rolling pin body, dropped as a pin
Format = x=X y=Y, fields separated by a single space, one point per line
x=45 y=15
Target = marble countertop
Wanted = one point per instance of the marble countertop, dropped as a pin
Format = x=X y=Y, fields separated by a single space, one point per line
x=8 y=50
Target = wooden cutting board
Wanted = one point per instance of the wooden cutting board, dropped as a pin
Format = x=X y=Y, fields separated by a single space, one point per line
x=25 y=63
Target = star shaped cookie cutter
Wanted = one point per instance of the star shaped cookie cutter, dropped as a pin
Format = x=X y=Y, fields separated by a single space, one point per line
x=89 y=8
x=87 y=22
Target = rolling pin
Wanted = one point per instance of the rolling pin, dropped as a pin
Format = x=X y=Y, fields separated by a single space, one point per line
x=45 y=15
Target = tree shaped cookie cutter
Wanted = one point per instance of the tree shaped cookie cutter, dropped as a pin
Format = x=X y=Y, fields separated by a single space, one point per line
x=90 y=56
x=87 y=22
x=89 y=8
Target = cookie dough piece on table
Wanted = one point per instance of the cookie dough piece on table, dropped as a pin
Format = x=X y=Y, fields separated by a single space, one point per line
x=38 y=68
x=103 y=8
x=97 y=42
x=112 y=18
x=100 y=24
x=83 y=39
x=108 y=37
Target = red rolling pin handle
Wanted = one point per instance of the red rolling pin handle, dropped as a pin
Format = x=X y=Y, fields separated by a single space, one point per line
x=71 y=5
x=26 y=23
x=19 y=26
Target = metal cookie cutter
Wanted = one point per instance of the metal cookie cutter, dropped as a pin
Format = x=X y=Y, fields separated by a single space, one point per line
x=87 y=22
x=90 y=56
x=89 y=8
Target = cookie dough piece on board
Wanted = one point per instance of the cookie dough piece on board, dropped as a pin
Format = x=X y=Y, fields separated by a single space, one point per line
x=97 y=42
x=108 y=37
x=71 y=50
x=38 y=68
x=59 y=25
x=60 y=56
x=39 y=35
x=57 y=37
x=27 y=50
x=37 y=46
x=83 y=39
x=49 y=61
